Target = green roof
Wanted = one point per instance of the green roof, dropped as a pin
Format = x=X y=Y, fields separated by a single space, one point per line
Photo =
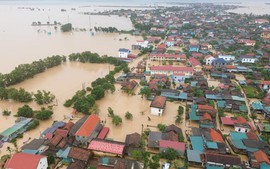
x=257 y=106
x=16 y=127
x=197 y=143
x=221 y=104
x=243 y=108
x=212 y=145
x=208 y=166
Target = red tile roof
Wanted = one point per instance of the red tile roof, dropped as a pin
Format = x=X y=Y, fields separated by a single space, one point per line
x=88 y=126
x=107 y=147
x=265 y=82
x=216 y=136
x=103 y=133
x=194 y=62
x=261 y=157
x=172 y=144
x=206 y=116
x=206 y=107
x=23 y=161
x=159 y=102
x=228 y=121
x=172 y=68
x=241 y=120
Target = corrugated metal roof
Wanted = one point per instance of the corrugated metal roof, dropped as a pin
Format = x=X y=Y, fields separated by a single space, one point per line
x=197 y=143
x=194 y=156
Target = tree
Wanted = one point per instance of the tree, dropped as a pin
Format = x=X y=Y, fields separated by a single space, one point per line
x=170 y=154
x=43 y=97
x=137 y=155
x=110 y=112
x=6 y=113
x=94 y=109
x=116 y=120
x=43 y=114
x=128 y=116
x=84 y=104
x=25 y=111
x=161 y=127
x=50 y=158
x=33 y=125
x=145 y=92
x=66 y=27
x=98 y=92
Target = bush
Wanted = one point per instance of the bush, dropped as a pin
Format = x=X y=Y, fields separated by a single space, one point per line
x=116 y=120
x=43 y=114
x=6 y=113
x=68 y=103
x=67 y=27
x=25 y=111
x=128 y=116
x=33 y=125
x=161 y=127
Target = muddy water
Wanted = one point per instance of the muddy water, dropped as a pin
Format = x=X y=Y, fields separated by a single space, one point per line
x=22 y=43
x=63 y=81
x=121 y=103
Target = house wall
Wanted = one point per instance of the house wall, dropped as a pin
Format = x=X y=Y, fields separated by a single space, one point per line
x=123 y=54
x=170 y=72
x=169 y=43
x=43 y=163
x=179 y=79
x=241 y=129
x=156 y=111
x=209 y=61
x=227 y=58
x=248 y=60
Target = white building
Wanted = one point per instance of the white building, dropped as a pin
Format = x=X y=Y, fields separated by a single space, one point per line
x=208 y=60
x=243 y=128
x=27 y=161
x=158 y=105
x=248 y=59
x=227 y=57
x=169 y=70
x=142 y=43
x=123 y=53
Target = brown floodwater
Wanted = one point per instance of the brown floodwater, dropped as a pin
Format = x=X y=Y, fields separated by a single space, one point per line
x=63 y=81
x=22 y=43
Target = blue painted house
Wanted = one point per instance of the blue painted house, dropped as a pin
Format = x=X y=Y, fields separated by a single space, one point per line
x=194 y=48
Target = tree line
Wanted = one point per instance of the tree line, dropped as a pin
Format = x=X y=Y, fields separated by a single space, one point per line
x=106 y=29
x=84 y=100
x=27 y=71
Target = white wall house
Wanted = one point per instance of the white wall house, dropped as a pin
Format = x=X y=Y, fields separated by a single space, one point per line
x=227 y=57
x=169 y=70
x=123 y=53
x=142 y=43
x=243 y=128
x=247 y=59
x=157 y=106
x=208 y=60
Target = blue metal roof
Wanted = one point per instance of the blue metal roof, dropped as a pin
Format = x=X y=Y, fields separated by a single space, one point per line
x=257 y=106
x=264 y=166
x=193 y=83
x=208 y=166
x=193 y=115
x=197 y=143
x=238 y=136
x=212 y=145
x=237 y=98
x=194 y=156
x=123 y=50
x=239 y=144
x=221 y=104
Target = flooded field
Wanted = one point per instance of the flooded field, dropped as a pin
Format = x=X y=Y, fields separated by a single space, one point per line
x=63 y=81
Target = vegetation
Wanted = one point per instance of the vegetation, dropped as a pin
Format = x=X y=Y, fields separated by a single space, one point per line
x=170 y=154
x=84 y=104
x=43 y=97
x=179 y=117
x=25 y=111
x=110 y=112
x=116 y=120
x=128 y=116
x=106 y=29
x=43 y=114
x=34 y=124
x=6 y=113
x=161 y=127
x=252 y=92
x=145 y=92
x=66 y=27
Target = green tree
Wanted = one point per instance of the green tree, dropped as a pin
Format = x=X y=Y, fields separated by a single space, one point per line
x=170 y=154
x=98 y=92
x=6 y=113
x=66 y=27
x=128 y=116
x=25 y=111
x=84 y=104
x=110 y=112
x=43 y=114
x=145 y=92
x=161 y=127
x=116 y=120
x=33 y=125
x=43 y=97
x=51 y=159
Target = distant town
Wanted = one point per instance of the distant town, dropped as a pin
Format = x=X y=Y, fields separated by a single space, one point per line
x=204 y=74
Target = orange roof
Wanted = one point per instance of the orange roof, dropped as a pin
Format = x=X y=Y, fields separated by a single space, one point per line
x=260 y=156
x=207 y=116
x=230 y=67
x=265 y=82
x=206 y=107
x=88 y=126
x=216 y=136
x=241 y=120
x=159 y=102
x=24 y=161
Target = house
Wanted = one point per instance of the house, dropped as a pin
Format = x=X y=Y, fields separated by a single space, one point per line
x=133 y=140
x=77 y=153
x=247 y=42
x=169 y=43
x=261 y=21
x=158 y=105
x=265 y=85
x=26 y=161
x=177 y=146
x=179 y=78
x=89 y=130
x=169 y=70
x=257 y=158
x=201 y=109
x=118 y=163
x=224 y=160
x=208 y=60
x=240 y=124
x=123 y=53
x=153 y=139
x=194 y=48
x=130 y=85
x=142 y=43
x=18 y=128
x=195 y=64
x=108 y=147
x=265 y=35
x=167 y=57
x=219 y=63
x=36 y=146
x=227 y=57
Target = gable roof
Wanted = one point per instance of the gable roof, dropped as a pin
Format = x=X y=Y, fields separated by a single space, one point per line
x=172 y=144
x=79 y=154
x=216 y=136
x=194 y=62
x=88 y=126
x=159 y=102
x=222 y=158
x=206 y=107
x=261 y=157
x=107 y=146
x=23 y=161
x=206 y=116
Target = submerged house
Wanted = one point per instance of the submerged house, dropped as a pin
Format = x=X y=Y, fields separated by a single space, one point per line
x=18 y=128
x=158 y=105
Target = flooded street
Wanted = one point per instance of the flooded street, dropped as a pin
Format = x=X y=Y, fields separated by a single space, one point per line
x=63 y=81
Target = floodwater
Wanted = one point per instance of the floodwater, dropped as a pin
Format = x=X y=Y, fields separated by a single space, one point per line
x=22 y=43
x=255 y=7
x=63 y=81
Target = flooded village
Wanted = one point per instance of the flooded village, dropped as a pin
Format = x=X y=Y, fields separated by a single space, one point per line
x=181 y=86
